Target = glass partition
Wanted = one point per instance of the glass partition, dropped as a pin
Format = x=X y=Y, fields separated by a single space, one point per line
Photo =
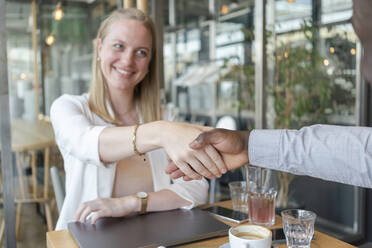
x=209 y=61
x=47 y=57
x=314 y=81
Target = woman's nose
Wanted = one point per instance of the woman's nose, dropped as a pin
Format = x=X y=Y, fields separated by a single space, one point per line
x=127 y=58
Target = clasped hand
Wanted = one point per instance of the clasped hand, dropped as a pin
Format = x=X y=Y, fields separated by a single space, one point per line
x=231 y=145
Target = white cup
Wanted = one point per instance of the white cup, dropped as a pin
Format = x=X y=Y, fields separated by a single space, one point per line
x=249 y=236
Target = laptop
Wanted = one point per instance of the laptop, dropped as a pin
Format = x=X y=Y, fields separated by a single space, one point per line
x=150 y=230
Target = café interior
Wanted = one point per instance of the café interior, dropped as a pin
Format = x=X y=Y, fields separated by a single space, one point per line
x=234 y=64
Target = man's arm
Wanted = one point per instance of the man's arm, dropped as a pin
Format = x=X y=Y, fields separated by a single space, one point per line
x=334 y=153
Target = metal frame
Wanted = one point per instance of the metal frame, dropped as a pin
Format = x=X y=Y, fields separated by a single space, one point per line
x=6 y=153
x=157 y=14
x=173 y=37
x=260 y=64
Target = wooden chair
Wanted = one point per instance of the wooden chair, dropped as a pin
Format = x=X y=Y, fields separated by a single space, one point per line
x=58 y=183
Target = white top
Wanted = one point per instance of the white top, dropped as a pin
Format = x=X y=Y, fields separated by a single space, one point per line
x=334 y=153
x=77 y=130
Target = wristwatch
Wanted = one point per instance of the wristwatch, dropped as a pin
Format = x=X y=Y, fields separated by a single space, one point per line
x=143 y=197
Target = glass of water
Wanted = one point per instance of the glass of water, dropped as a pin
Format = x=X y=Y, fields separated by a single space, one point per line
x=238 y=193
x=298 y=227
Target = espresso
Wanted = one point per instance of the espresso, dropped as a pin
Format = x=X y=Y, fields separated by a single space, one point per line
x=248 y=235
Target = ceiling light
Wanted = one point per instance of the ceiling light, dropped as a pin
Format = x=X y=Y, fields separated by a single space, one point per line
x=326 y=62
x=58 y=12
x=50 y=40
x=224 y=9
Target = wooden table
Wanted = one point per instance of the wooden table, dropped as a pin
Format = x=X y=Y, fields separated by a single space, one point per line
x=28 y=138
x=63 y=238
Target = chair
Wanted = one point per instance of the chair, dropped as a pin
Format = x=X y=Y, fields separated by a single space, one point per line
x=58 y=183
x=226 y=122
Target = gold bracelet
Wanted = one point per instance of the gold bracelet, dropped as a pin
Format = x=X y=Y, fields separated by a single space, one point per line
x=134 y=142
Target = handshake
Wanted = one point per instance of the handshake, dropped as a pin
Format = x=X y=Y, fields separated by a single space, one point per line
x=232 y=147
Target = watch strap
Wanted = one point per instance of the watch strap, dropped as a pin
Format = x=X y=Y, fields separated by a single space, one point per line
x=143 y=205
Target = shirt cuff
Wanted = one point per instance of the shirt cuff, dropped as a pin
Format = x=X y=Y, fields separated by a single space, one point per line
x=263 y=147
x=92 y=147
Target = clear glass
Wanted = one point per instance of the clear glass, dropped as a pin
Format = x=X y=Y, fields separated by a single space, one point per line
x=260 y=177
x=261 y=206
x=239 y=193
x=298 y=227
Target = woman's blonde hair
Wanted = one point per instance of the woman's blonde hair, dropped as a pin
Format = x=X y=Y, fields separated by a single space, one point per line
x=146 y=93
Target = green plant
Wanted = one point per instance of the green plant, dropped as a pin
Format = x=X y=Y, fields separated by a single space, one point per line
x=302 y=88
x=243 y=76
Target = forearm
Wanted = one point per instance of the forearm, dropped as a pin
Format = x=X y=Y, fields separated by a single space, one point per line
x=117 y=207
x=116 y=143
x=334 y=153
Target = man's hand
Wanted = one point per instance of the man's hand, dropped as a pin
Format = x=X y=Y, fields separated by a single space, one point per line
x=233 y=146
x=225 y=141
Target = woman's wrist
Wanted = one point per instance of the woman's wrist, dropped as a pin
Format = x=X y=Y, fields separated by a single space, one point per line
x=134 y=202
x=149 y=136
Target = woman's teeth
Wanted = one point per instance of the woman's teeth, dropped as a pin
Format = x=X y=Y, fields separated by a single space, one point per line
x=123 y=72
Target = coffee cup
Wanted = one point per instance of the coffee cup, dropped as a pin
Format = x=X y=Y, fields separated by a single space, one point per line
x=249 y=236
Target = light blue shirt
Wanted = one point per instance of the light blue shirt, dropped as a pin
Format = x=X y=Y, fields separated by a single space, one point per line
x=334 y=153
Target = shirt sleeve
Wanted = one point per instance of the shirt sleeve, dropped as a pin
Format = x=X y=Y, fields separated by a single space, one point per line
x=334 y=153
x=74 y=132
x=195 y=191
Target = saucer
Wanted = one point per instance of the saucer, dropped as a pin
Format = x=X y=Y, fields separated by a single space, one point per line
x=226 y=245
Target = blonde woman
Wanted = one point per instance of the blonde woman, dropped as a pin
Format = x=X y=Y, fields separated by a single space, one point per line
x=110 y=139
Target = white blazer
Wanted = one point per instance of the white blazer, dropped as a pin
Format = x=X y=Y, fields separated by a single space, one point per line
x=77 y=130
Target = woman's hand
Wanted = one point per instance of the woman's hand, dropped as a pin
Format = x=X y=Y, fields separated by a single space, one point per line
x=232 y=145
x=205 y=162
x=107 y=207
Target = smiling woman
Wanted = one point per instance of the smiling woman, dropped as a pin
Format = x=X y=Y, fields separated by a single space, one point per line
x=113 y=141
x=125 y=54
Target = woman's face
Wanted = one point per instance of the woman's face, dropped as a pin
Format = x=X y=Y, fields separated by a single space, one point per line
x=125 y=54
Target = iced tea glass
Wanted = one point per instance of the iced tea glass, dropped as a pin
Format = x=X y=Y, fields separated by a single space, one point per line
x=261 y=206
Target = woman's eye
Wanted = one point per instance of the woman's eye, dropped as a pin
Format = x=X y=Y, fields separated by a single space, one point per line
x=142 y=53
x=118 y=46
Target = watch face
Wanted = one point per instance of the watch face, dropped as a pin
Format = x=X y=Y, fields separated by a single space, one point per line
x=142 y=194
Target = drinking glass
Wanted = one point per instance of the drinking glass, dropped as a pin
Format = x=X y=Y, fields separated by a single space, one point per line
x=298 y=227
x=260 y=177
x=261 y=206
x=238 y=193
